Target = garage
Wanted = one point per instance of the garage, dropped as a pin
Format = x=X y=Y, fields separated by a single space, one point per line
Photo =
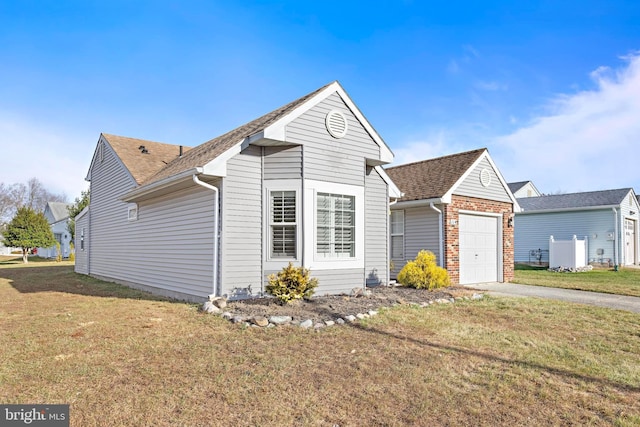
x=478 y=248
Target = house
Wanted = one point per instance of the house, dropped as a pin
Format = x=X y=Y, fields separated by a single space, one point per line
x=57 y=214
x=608 y=219
x=301 y=184
x=460 y=208
x=523 y=189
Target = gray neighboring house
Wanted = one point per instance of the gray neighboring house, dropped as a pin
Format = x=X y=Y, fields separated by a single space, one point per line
x=608 y=218
x=523 y=189
x=301 y=184
x=57 y=214
x=460 y=208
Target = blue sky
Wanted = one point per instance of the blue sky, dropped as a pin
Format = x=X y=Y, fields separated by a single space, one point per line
x=551 y=88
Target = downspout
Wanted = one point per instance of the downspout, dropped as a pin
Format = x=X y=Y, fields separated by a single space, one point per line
x=440 y=233
x=215 y=231
x=615 y=239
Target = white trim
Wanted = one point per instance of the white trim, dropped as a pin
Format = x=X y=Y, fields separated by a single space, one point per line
x=394 y=191
x=277 y=130
x=145 y=190
x=313 y=262
x=218 y=166
x=418 y=203
x=281 y=185
x=132 y=212
x=328 y=124
x=392 y=234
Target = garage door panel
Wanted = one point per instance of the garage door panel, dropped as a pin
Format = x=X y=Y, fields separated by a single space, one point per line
x=478 y=237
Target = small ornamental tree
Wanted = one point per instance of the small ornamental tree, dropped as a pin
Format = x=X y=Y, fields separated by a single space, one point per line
x=28 y=230
x=424 y=273
x=291 y=283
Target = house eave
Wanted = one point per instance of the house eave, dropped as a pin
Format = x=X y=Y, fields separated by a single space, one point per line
x=419 y=203
x=572 y=209
x=146 y=190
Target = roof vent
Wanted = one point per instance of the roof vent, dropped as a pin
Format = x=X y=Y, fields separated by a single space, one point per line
x=336 y=124
x=143 y=149
x=485 y=177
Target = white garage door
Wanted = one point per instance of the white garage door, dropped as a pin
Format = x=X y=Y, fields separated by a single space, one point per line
x=478 y=249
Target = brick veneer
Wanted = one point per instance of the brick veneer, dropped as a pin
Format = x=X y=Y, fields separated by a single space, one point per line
x=452 y=237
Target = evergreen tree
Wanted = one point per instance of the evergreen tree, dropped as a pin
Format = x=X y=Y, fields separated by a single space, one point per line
x=27 y=230
x=78 y=205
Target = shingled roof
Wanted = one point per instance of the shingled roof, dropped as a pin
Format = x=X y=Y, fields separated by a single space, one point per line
x=143 y=165
x=59 y=210
x=432 y=178
x=204 y=153
x=515 y=186
x=574 y=200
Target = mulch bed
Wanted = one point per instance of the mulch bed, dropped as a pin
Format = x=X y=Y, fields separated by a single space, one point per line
x=332 y=307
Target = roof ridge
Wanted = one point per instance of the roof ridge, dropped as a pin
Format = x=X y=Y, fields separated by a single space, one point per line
x=586 y=192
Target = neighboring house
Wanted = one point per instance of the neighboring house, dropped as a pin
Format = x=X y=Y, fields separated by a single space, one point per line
x=3 y=249
x=523 y=189
x=301 y=184
x=57 y=214
x=460 y=208
x=609 y=220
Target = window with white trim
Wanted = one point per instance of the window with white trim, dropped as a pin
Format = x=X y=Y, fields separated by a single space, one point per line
x=397 y=234
x=82 y=240
x=335 y=227
x=283 y=224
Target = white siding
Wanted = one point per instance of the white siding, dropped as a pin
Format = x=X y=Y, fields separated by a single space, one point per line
x=82 y=254
x=241 y=250
x=376 y=223
x=327 y=158
x=532 y=231
x=283 y=162
x=421 y=231
x=472 y=187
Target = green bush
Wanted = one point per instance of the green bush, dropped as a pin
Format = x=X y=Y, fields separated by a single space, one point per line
x=72 y=252
x=58 y=252
x=424 y=273
x=292 y=283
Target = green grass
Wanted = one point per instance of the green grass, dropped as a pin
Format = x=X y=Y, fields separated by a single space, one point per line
x=122 y=357
x=625 y=281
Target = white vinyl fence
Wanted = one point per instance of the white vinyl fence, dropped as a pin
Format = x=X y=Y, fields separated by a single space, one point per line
x=567 y=253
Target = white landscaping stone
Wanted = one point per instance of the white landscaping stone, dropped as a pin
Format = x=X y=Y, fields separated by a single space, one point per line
x=360 y=316
x=350 y=318
x=340 y=321
x=306 y=324
x=329 y=323
x=372 y=313
x=477 y=296
x=280 y=320
x=208 y=307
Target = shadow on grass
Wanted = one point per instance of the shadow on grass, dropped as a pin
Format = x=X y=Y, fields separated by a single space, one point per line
x=62 y=278
x=495 y=358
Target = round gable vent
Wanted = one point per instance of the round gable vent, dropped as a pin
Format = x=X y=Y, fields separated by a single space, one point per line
x=336 y=124
x=485 y=177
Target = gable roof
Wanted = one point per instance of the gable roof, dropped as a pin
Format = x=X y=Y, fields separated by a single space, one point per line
x=204 y=153
x=432 y=178
x=58 y=210
x=589 y=199
x=515 y=186
x=143 y=165
x=210 y=157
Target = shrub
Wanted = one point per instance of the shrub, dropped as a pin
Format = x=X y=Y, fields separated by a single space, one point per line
x=424 y=273
x=72 y=252
x=292 y=283
x=58 y=252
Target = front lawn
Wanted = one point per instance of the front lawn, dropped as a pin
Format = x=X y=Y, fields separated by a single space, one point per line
x=625 y=281
x=122 y=357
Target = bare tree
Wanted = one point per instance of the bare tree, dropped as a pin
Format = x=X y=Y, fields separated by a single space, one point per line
x=33 y=194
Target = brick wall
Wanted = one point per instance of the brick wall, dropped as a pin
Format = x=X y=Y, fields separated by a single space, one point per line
x=451 y=233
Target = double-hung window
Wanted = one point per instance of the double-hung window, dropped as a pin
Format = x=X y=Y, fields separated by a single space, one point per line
x=335 y=234
x=397 y=234
x=283 y=224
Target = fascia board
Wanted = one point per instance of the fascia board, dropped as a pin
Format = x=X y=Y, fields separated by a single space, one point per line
x=462 y=177
x=394 y=191
x=218 y=166
x=159 y=185
x=418 y=203
x=574 y=209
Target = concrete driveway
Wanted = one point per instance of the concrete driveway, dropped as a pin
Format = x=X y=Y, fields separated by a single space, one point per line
x=582 y=297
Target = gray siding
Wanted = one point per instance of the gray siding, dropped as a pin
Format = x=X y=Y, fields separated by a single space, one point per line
x=283 y=162
x=472 y=187
x=82 y=255
x=532 y=231
x=169 y=247
x=327 y=158
x=377 y=227
x=421 y=231
x=338 y=281
x=241 y=237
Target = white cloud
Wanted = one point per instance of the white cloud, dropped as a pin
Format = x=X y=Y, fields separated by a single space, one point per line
x=58 y=158
x=435 y=145
x=587 y=141
x=491 y=86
